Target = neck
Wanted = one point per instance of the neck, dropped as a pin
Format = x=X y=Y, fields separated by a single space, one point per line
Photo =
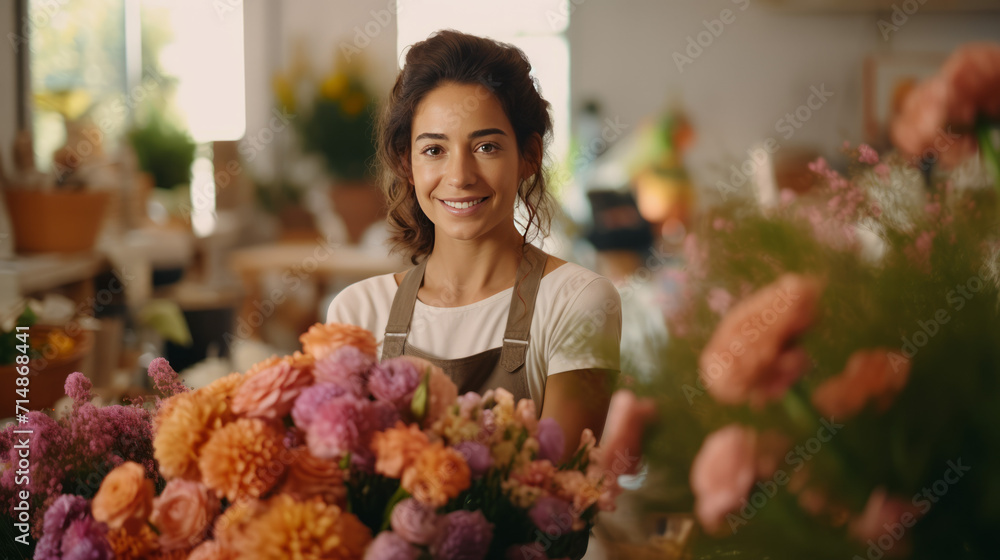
x=462 y=271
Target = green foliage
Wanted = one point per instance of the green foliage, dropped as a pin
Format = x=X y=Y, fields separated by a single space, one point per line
x=163 y=150
x=340 y=127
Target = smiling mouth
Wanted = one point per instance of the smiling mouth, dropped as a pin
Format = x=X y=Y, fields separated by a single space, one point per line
x=463 y=205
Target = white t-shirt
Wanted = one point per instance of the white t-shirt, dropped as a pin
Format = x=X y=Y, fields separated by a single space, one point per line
x=577 y=323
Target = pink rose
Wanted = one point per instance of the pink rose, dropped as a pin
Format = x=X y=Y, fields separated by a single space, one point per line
x=414 y=521
x=183 y=513
x=730 y=460
x=621 y=443
x=870 y=375
x=271 y=392
x=750 y=357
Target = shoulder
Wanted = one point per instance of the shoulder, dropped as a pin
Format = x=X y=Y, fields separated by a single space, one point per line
x=356 y=303
x=571 y=291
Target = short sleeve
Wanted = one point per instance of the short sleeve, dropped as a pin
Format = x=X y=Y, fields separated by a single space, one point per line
x=587 y=332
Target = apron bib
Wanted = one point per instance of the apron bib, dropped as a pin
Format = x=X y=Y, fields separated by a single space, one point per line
x=501 y=367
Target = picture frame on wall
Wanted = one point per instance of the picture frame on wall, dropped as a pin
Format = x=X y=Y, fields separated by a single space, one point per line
x=886 y=81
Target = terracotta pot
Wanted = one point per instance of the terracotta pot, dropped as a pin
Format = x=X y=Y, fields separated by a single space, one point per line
x=359 y=204
x=55 y=220
x=47 y=377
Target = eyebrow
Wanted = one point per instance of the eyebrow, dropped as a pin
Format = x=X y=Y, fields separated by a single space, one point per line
x=472 y=135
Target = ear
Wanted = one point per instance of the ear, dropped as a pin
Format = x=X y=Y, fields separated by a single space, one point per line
x=406 y=166
x=531 y=160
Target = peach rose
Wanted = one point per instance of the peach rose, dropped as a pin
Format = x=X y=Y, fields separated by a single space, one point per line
x=750 y=357
x=310 y=476
x=125 y=497
x=870 y=375
x=437 y=475
x=621 y=443
x=271 y=392
x=322 y=340
x=183 y=513
x=397 y=448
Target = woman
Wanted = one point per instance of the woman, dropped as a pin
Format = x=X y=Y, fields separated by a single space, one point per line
x=460 y=143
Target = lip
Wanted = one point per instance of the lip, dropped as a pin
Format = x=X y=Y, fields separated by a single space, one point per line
x=463 y=211
x=463 y=199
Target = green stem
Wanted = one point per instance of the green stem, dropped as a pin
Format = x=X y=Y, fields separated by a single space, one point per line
x=988 y=150
x=399 y=496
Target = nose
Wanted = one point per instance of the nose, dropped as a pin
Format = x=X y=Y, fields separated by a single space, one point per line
x=461 y=170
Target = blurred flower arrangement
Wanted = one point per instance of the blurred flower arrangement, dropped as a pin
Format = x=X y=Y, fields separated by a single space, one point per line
x=326 y=453
x=335 y=116
x=833 y=369
x=956 y=113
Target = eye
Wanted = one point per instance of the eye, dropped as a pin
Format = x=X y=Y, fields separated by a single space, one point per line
x=431 y=151
x=488 y=148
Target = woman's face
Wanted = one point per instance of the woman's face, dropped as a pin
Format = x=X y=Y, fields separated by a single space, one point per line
x=464 y=160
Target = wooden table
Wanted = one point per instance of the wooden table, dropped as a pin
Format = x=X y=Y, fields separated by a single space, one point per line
x=298 y=263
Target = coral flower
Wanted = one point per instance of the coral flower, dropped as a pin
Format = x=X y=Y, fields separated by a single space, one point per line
x=125 y=497
x=749 y=357
x=211 y=550
x=323 y=340
x=310 y=530
x=870 y=375
x=438 y=475
x=242 y=459
x=272 y=391
x=397 y=448
x=722 y=474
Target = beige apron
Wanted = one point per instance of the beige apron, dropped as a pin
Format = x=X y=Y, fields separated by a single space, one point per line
x=497 y=367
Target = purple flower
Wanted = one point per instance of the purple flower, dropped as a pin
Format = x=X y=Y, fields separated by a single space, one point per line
x=165 y=379
x=311 y=399
x=70 y=532
x=347 y=366
x=86 y=539
x=394 y=381
x=552 y=515
x=342 y=425
x=78 y=388
x=390 y=546
x=414 y=521
x=551 y=440
x=476 y=455
x=463 y=535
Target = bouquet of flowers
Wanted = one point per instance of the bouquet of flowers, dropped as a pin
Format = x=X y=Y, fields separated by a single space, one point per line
x=832 y=379
x=322 y=454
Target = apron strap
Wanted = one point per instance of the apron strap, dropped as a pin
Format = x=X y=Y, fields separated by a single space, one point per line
x=515 y=338
x=522 y=307
x=402 y=311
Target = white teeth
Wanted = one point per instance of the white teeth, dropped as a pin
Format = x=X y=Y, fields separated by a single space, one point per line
x=461 y=205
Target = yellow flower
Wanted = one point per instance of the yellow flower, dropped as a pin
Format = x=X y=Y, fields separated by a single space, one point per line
x=334 y=86
x=138 y=545
x=241 y=459
x=308 y=530
x=284 y=92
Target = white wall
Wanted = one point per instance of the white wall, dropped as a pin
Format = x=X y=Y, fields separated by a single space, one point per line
x=760 y=67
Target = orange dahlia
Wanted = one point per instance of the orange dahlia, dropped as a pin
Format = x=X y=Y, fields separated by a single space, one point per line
x=182 y=430
x=322 y=340
x=437 y=475
x=229 y=527
x=397 y=448
x=211 y=550
x=310 y=476
x=304 y=530
x=242 y=459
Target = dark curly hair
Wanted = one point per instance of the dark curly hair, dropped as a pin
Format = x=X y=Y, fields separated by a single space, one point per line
x=452 y=57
